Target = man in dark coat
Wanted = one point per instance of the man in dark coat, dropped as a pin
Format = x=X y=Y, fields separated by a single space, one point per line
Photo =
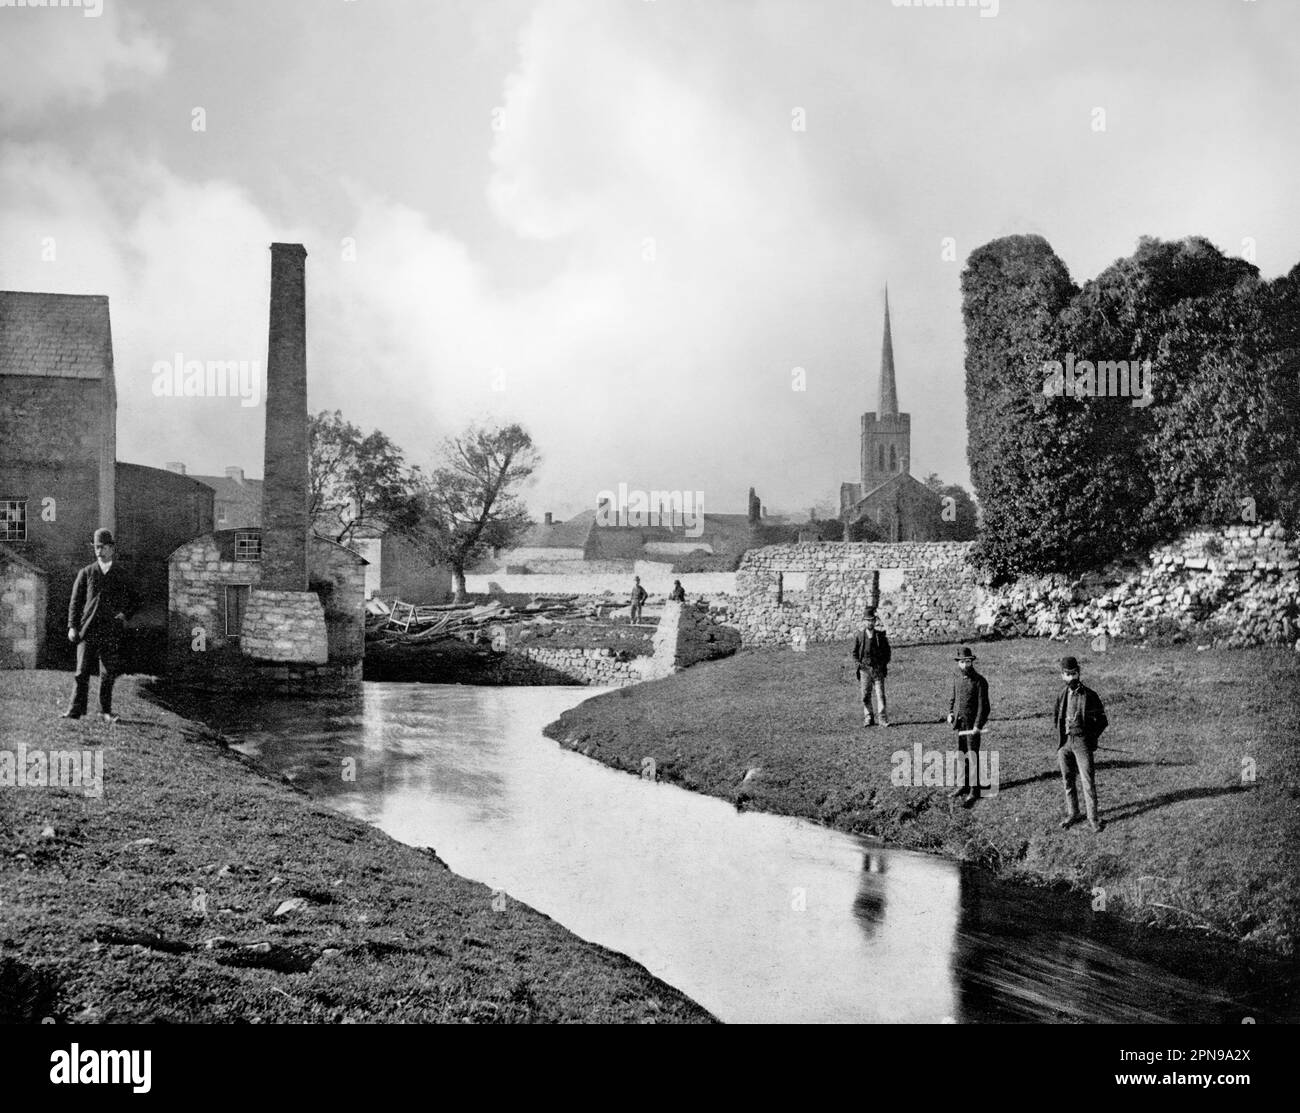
x=968 y=711
x=102 y=600
x=678 y=593
x=871 y=654
x=639 y=596
x=1079 y=721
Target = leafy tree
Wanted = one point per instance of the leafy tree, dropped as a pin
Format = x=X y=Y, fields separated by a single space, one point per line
x=357 y=479
x=962 y=527
x=470 y=504
x=1068 y=482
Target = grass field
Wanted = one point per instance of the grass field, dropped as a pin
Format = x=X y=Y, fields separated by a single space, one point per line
x=158 y=901
x=1192 y=840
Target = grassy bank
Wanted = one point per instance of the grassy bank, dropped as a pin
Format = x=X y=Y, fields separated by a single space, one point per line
x=198 y=889
x=1192 y=842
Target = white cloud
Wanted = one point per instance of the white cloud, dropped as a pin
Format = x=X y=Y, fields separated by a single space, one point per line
x=57 y=57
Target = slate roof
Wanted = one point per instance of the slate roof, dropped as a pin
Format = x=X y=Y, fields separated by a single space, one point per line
x=559 y=535
x=64 y=336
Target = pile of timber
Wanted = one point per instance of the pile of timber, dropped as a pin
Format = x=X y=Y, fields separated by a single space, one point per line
x=416 y=623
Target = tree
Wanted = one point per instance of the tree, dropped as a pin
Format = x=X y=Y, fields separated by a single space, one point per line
x=960 y=525
x=357 y=480
x=470 y=504
x=1067 y=482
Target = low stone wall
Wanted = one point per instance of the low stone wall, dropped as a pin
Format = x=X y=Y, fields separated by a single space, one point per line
x=925 y=591
x=656 y=578
x=1234 y=586
x=685 y=636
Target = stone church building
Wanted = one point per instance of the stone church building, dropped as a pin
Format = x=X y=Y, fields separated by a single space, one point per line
x=888 y=503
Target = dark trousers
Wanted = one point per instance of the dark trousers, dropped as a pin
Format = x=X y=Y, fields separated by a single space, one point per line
x=969 y=745
x=107 y=652
x=1075 y=758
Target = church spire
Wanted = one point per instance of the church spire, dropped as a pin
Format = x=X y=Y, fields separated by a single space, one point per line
x=888 y=390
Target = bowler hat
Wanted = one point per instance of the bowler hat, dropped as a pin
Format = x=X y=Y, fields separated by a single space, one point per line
x=104 y=537
x=1069 y=664
x=965 y=654
x=871 y=612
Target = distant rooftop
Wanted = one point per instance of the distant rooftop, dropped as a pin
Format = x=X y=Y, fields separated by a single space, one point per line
x=63 y=336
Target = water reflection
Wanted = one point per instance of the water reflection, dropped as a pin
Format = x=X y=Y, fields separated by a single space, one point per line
x=757 y=917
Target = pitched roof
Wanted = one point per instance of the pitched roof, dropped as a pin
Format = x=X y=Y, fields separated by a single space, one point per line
x=559 y=535
x=231 y=489
x=64 y=336
x=898 y=478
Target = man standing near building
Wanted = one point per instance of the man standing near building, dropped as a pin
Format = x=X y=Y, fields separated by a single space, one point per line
x=968 y=711
x=639 y=596
x=102 y=600
x=1080 y=719
x=871 y=654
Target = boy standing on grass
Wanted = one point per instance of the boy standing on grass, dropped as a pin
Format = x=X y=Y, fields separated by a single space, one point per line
x=1080 y=719
x=968 y=711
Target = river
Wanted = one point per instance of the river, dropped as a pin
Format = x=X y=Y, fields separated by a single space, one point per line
x=756 y=917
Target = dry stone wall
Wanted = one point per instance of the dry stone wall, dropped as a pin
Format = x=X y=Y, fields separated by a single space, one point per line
x=1231 y=586
x=1228 y=586
x=924 y=591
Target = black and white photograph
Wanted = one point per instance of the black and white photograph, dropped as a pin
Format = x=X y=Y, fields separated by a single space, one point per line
x=621 y=512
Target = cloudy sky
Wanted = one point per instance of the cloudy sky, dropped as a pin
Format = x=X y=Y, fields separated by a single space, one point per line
x=623 y=223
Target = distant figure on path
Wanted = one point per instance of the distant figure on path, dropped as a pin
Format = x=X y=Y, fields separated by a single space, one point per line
x=1079 y=719
x=678 y=593
x=871 y=653
x=968 y=711
x=102 y=600
x=639 y=596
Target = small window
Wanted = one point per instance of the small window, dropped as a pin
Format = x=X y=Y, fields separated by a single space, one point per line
x=248 y=545
x=893 y=459
x=880 y=456
x=236 y=604
x=13 y=519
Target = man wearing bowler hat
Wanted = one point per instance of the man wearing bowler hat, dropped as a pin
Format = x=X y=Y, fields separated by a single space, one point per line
x=968 y=711
x=1080 y=719
x=102 y=601
x=871 y=654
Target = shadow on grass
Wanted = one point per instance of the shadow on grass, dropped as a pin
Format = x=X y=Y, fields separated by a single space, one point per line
x=1099 y=766
x=1132 y=811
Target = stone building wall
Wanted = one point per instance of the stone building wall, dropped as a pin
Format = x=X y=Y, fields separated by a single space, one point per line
x=54 y=433
x=202 y=569
x=22 y=612
x=925 y=591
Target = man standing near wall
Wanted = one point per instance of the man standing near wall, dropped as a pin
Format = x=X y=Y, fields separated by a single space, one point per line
x=1080 y=719
x=639 y=596
x=871 y=654
x=102 y=600
x=968 y=711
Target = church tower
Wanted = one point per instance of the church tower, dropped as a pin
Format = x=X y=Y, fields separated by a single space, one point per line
x=886 y=434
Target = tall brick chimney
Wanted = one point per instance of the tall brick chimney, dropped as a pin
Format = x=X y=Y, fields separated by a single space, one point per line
x=283 y=620
x=284 y=487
